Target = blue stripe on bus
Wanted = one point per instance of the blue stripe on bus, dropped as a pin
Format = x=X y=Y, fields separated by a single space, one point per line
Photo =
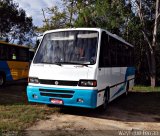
x=89 y=96
x=129 y=72
x=5 y=68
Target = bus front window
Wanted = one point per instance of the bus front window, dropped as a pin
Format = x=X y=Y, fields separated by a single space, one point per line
x=68 y=47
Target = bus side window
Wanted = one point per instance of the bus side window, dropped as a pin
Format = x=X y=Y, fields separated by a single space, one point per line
x=3 y=51
x=23 y=54
x=119 y=63
x=12 y=53
x=113 y=51
x=104 y=51
x=14 y=56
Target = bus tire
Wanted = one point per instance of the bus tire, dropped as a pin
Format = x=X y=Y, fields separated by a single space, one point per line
x=104 y=106
x=127 y=88
x=2 y=79
x=50 y=105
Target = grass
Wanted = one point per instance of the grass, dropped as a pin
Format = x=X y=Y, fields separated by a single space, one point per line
x=16 y=114
x=146 y=89
x=19 y=117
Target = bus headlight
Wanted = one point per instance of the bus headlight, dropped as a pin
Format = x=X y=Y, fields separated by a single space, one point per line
x=89 y=83
x=33 y=80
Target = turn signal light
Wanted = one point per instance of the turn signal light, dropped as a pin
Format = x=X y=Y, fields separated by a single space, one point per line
x=88 y=83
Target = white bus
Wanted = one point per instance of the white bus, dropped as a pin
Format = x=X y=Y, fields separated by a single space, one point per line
x=83 y=67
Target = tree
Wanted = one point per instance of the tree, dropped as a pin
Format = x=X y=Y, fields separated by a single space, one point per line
x=57 y=20
x=153 y=19
x=8 y=10
x=60 y=17
x=135 y=20
x=12 y=19
x=111 y=15
x=70 y=6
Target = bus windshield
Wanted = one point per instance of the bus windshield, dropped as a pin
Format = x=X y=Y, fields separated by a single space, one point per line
x=68 y=47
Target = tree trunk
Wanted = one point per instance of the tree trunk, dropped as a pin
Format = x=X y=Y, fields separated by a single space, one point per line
x=71 y=14
x=154 y=42
x=153 y=80
x=153 y=70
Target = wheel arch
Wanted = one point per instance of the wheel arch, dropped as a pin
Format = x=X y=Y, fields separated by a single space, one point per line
x=107 y=92
x=3 y=73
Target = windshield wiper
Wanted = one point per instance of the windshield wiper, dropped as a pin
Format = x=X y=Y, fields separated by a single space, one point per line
x=74 y=63
x=60 y=63
x=56 y=63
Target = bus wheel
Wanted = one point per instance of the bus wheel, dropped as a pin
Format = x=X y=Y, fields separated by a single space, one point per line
x=2 y=80
x=127 y=88
x=50 y=105
x=104 y=106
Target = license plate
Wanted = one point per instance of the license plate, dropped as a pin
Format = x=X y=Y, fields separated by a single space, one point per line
x=56 y=101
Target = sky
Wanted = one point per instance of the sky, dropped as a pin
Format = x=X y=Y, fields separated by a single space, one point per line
x=34 y=8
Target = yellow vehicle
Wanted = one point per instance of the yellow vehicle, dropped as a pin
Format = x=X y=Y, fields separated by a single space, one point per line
x=14 y=62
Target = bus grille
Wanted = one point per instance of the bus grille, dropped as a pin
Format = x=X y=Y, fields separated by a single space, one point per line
x=59 y=82
x=56 y=93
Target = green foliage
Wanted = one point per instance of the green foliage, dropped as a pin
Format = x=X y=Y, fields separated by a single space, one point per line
x=142 y=51
x=8 y=11
x=13 y=18
x=104 y=14
x=117 y=16
x=61 y=18
x=146 y=89
x=57 y=20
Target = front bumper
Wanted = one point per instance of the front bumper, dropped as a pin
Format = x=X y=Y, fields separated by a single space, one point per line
x=68 y=95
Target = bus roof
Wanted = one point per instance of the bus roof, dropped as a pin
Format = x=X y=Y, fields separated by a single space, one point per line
x=72 y=29
x=13 y=44
x=91 y=29
x=117 y=37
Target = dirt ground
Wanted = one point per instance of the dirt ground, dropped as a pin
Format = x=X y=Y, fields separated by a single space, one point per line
x=139 y=111
x=122 y=114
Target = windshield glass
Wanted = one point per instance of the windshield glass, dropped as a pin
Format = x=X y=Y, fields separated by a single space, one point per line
x=68 y=47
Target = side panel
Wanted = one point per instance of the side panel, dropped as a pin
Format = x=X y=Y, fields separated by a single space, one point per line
x=116 y=79
x=109 y=77
x=115 y=65
x=18 y=70
x=118 y=84
x=100 y=96
x=5 y=68
x=14 y=70
x=131 y=84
